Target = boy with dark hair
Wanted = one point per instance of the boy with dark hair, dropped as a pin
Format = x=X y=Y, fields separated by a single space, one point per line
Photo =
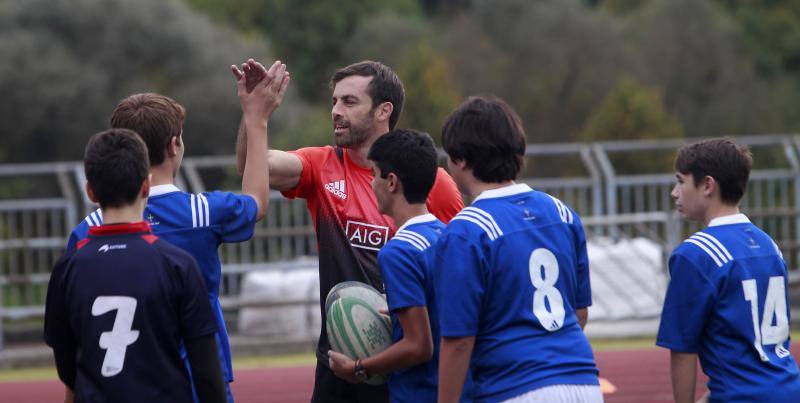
x=512 y=274
x=726 y=302
x=120 y=304
x=200 y=223
x=367 y=98
x=404 y=164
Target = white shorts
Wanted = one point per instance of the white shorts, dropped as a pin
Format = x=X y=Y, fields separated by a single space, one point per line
x=561 y=394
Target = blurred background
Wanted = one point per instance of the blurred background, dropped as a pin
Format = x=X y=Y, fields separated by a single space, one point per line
x=573 y=69
x=606 y=89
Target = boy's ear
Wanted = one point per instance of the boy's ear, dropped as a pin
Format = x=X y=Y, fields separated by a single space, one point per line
x=392 y=182
x=709 y=185
x=461 y=164
x=174 y=144
x=90 y=193
x=145 y=190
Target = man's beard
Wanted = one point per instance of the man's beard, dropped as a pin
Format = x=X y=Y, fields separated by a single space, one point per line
x=357 y=134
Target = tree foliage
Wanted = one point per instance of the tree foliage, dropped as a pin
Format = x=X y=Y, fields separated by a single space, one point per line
x=569 y=67
x=631 y=111
x=68 y=62
x=310 y=34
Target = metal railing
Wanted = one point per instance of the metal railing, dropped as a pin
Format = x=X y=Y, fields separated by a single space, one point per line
x=613 y=202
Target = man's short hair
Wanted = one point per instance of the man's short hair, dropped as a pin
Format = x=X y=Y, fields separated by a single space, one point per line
x=155 y=117
x=722 y=159
x=115 y=163
x=487 y=134
x=411 y=155
x=385 y=86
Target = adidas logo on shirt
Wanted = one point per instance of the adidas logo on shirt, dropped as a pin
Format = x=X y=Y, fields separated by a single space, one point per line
x=337 y=188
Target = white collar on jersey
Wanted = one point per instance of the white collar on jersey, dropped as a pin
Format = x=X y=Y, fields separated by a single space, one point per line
x=418 y=219
x=510 y=190
x=729 y=219
x=159 y=190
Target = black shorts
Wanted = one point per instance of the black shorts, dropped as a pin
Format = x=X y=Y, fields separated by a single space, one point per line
x=328 y=388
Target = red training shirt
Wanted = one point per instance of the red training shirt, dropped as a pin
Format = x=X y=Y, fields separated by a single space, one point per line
x=349 y=228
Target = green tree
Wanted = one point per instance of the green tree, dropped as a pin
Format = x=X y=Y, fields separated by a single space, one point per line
x=309 y=35
x=417 y=58
x=632 y=111
x=553 y=61
x=772 y=32
x=692 y=50
x=66 y=63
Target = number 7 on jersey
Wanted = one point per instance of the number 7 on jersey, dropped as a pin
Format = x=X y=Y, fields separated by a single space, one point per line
x=116 y=341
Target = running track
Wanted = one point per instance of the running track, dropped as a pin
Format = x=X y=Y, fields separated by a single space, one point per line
x=639 y=375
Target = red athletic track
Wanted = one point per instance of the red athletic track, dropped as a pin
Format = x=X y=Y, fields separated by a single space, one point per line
x=639 y=375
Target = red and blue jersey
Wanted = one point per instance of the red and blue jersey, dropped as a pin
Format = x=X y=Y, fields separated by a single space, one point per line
x=511 y=269
x=198 y=224
x=350 y=229
x=118 y=306
x=406 y=263
x=727 y=303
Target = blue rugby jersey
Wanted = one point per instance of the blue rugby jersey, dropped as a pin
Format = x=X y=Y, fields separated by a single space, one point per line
x=118 y=307
x=406 y=263
x=511 y=269
x=727 y=303
x=198 y=224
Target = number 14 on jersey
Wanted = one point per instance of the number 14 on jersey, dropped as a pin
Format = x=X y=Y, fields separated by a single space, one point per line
x=774 y=308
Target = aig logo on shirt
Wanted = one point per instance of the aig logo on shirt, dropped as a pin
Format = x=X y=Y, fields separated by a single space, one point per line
x=366 y=236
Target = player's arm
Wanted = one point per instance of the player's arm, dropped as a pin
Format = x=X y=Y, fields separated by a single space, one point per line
x=454 y=357
x=66 y=365
x=684 y=376
x=416 y=347
x=444 y=200
x=284 y=168
x=583 y=316
x=459 y=309
x=57 y=332
x=206 y=369
x=258 y=106
x=583 y=293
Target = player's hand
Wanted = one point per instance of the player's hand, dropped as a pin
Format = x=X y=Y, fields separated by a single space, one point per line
x=253 y=71
x=69 y=396
x=267 y=94
x=385 y=313
x=342 y=366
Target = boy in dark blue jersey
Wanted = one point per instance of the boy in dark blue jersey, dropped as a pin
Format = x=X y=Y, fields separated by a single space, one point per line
x=512 y=275
x=404 y=165
x=200 y=223
x=726 y=302
x=120 y=303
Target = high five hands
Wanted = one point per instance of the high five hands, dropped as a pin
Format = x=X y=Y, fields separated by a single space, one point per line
x=260 y=90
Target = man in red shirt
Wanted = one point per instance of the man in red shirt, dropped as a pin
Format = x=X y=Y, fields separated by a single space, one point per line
x=335 y=181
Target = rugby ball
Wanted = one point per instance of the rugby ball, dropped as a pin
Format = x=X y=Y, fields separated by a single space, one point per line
x=357 y=330
x=358 y=290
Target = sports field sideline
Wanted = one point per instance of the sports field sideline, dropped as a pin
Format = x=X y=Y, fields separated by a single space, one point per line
x=638 y=371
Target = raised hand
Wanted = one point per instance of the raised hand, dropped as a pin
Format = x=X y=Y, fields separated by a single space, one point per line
x=253 y=71
x=267 y=94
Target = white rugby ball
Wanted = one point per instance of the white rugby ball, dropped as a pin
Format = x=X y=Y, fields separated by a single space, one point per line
x=356 y=289
x=357 y=330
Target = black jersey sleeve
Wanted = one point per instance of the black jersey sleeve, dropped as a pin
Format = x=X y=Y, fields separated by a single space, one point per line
x=196 y=317
x=206 y=369
x=57 y=332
